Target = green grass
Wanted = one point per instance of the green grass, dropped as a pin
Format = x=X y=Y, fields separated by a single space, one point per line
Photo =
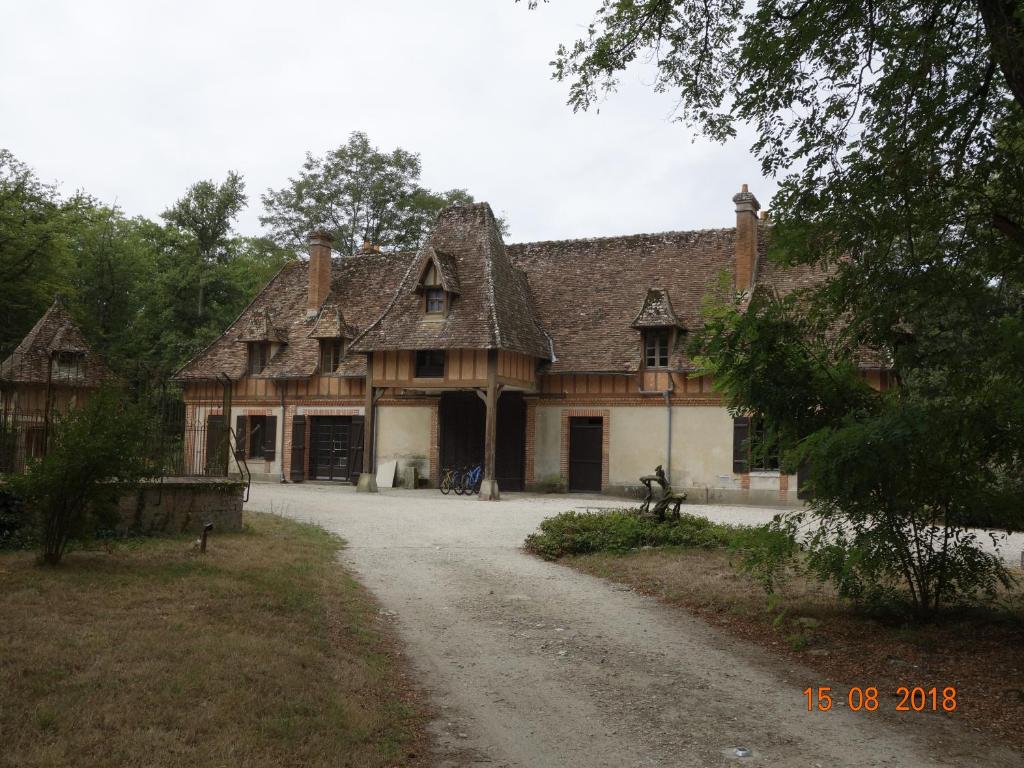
x=263 y=652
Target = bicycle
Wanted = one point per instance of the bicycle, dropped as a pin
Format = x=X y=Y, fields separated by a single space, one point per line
x=471 y=479
x=451 y=480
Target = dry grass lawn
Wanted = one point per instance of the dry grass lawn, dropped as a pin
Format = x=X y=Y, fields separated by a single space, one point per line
x=977 y=652
x=263 y=652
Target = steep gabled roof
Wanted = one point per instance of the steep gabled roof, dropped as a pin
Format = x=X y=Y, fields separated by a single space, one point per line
x=362 y=284
x=444 y=263
x=587 y=291
x=261 y=327
x=494 y=309
x=330 y=322
x=656 y=311
x=54 y=333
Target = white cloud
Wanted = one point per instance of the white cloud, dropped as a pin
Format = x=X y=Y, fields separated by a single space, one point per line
x=133 y=102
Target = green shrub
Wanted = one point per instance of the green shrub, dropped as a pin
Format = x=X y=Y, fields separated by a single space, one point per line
x=577 y=533
x=14 y=524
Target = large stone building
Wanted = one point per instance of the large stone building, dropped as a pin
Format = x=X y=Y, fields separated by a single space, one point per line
x=558 y=363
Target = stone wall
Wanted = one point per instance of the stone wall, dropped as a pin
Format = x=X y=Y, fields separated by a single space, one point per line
x=182 y=505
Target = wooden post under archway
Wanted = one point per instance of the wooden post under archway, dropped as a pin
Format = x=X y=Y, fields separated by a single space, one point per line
x=367 y=482
x=489 y=486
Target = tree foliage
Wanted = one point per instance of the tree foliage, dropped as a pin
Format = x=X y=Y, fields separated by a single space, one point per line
x=72 y=492
x=896 y=133
x=358 y=194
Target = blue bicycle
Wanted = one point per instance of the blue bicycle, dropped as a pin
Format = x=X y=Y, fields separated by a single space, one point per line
x=471 y=479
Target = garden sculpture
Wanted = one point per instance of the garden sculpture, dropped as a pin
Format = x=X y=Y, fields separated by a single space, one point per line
x=669 y=498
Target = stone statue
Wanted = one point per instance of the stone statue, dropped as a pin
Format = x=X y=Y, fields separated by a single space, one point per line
x=669 y=498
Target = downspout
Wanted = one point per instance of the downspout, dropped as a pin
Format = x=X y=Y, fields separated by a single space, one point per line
x=284 y=421
x=667 y=394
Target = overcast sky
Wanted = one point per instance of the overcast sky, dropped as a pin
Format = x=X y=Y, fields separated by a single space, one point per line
x=133 y=101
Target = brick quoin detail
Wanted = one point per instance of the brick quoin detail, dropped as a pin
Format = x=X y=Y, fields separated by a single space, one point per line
x=569 y=413
x=435 y=445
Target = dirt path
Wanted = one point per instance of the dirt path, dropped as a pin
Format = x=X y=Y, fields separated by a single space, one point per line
x=531 y=664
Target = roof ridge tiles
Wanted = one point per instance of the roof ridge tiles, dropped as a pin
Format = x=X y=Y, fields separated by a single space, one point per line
x=635 y=235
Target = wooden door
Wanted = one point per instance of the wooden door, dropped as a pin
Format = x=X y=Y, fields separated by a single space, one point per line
x=586 y=434
x=329 y=445
x=510 y=452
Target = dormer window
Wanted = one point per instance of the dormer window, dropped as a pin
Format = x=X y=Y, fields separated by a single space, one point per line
x=656 y=344
x=438 y=283
x=259 y=355
x=67 y=364
x=331 y=351
x=436 y=301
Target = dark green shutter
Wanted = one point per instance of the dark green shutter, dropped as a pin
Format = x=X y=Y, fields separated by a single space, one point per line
x=298 y=449
x=270 y=439
x=741 y=444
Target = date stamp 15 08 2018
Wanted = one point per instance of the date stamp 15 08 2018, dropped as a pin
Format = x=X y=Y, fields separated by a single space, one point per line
x=908 y=699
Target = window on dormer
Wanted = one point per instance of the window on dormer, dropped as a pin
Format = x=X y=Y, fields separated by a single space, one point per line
x=331 y=351
x=259 y=354
x=656 y=348
x=436 y=301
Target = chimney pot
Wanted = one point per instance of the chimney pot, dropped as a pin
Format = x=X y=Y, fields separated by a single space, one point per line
x=744 y=188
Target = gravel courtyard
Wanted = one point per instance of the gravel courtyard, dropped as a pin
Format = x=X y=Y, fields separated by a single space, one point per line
x=532 y=664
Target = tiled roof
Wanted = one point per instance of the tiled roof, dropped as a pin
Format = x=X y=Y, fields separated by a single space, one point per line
x=362 y=284
x=573 y=302
x=493 y=310
x=55 y=332
x=588 y=291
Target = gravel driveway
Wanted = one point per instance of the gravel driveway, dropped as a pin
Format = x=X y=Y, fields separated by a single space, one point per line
x=531 y=664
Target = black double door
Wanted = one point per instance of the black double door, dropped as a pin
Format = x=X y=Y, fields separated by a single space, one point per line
x=586 y=435
x=463 y=421
x=330 y=446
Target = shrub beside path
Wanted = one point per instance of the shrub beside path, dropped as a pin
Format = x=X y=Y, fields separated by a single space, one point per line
x=533 y=664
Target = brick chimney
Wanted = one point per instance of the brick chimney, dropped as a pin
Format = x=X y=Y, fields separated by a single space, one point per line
x=746 y=237
x=319 y=271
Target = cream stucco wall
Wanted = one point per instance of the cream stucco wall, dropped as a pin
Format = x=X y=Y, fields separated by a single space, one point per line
x=701 y=447
x=403 y=435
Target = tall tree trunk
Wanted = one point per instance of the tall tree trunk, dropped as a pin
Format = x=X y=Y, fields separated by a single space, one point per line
x=1004 y=22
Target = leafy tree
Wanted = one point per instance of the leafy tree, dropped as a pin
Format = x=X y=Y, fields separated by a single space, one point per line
x=31 y=249
x=897 y=133
x=73 y=491
x=358 y=194
x=206 y=214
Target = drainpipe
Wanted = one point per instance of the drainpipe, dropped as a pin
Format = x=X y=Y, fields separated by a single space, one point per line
x=667 y=394
x=284 y=420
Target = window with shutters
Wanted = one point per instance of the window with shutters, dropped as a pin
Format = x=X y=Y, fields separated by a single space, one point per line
x=257 y=437
x=751 y=449
x=430 y=364
x=331 y=351
x=656 y=343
